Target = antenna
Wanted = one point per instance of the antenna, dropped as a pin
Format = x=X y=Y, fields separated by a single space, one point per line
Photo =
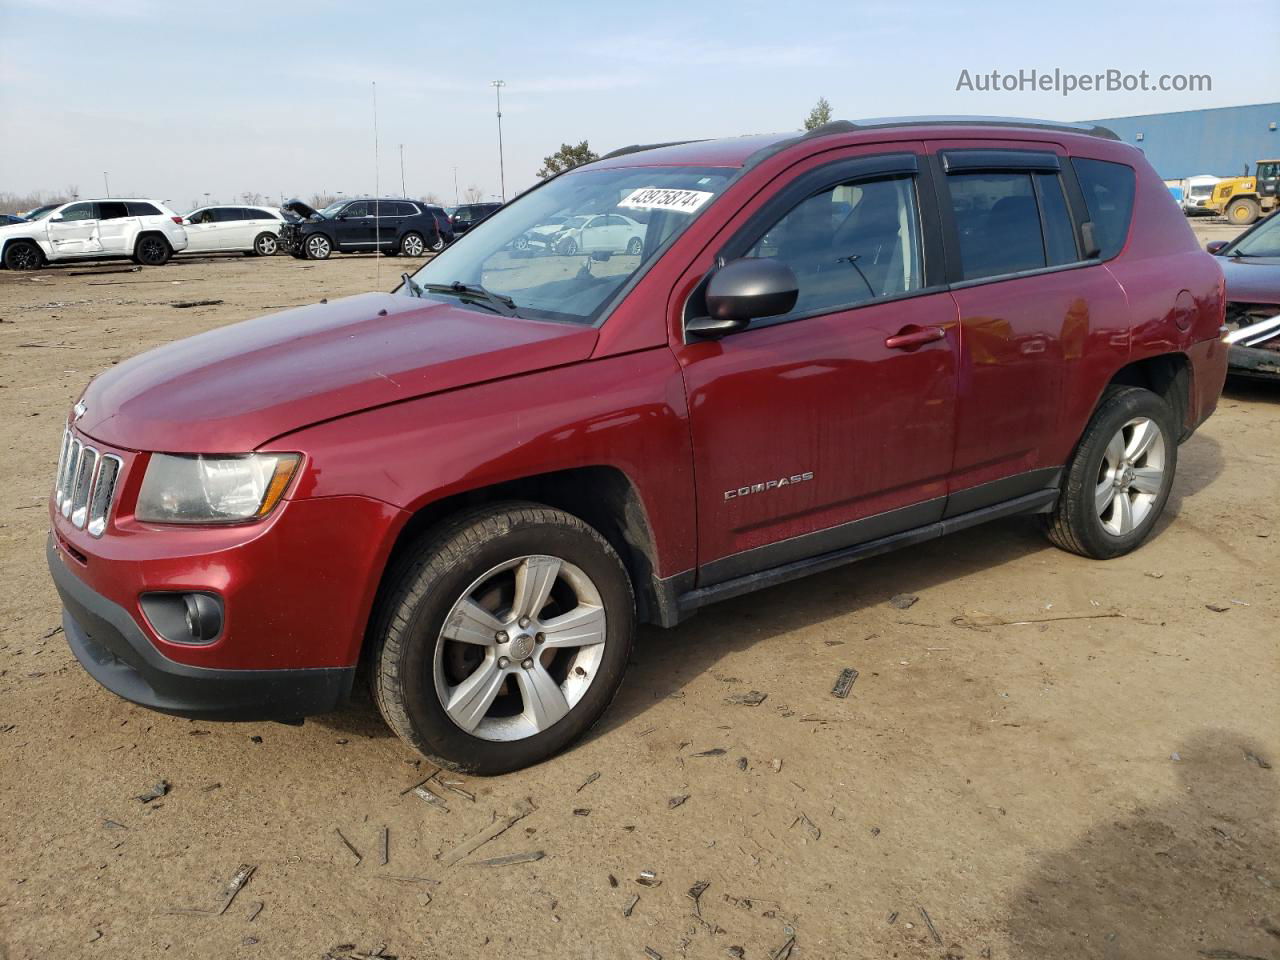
x=377 y=193
x=502 y=174
x=403 y=193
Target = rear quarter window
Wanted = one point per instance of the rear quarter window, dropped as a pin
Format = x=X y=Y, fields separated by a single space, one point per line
x=1108 y=195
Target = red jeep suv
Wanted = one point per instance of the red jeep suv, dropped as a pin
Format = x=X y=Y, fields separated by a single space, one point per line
x=822 y=348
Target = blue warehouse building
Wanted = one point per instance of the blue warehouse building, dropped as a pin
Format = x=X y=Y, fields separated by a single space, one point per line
x=1220 y=141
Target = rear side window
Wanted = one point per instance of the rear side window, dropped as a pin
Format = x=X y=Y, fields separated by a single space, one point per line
x=137 y=209
x=998 y=222
x=1059 y=232
x=112 y=210
x=227 y=214
x=1108 y=195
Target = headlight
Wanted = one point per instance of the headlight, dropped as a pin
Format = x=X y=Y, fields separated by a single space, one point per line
x=213 y=489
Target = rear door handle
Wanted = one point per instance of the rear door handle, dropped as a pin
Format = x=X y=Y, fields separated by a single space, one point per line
x=912 y=336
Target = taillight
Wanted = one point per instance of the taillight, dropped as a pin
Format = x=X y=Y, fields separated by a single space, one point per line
x=177 y=220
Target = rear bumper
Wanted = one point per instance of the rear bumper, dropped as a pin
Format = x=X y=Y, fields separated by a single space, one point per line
x=114 y=651
x=1255 y=362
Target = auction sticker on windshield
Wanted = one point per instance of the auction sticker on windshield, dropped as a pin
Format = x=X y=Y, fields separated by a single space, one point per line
x=661 y=198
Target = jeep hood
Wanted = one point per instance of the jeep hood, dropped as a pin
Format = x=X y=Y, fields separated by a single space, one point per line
x=235 y=388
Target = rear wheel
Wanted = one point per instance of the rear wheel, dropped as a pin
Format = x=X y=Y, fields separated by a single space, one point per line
x=1118 y=482
x=152 y=250
x=318 y=247
x=265 y=244
x=438 y=243
x=1243 y=211
x=412 y=245
x=23 y=255
x=503 y=638
x=634 y=246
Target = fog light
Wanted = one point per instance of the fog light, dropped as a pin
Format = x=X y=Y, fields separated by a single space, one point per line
x=190 y=618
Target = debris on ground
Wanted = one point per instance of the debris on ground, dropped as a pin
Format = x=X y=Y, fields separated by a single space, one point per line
x=695 y=894
x=155 y=793
x=652 y=954
x=1254 y=758
x=455 y=786
x=631 y=905
x=187 y=304
x=255 y=908
x=933 y=931
x=713 y=752
x=784 y=951
x=777 y=765
x=677 y=801
x=742 y=763
x=648 y=878
x=903 y=600
x=234 y=886
x=384 y=850
x=752 y=698
x=808 y=826
x=588 y=782
x=512 y=858
x=736 y=952
x=478 y=840
x=424 y=794
x=347 y=843
x=844 y=682
x=582 y=811
x=1217 y=607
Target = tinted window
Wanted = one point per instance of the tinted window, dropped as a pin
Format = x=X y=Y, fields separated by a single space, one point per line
x=1059 y=232
x=998 y=223
x=112 y=210
x=849 y=244
x=463 y=214
x=137 y=209
x=1108 y=194
x=227 y=214
x=358 y=209
x=78 y=211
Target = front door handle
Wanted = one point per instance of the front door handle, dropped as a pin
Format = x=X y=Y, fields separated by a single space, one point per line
x=912 y=336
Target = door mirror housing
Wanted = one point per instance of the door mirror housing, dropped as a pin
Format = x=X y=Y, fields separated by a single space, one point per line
x=745 y=290
x=1216 y=246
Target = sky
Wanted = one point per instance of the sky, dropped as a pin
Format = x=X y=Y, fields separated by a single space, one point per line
x=176 y=100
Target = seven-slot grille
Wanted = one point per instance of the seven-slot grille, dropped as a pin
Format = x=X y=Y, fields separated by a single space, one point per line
x=85 y=484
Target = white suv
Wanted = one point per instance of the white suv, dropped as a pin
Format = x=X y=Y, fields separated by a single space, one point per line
x=144 y=230
x=254 y=230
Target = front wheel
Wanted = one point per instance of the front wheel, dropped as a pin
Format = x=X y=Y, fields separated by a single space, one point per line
x=23 y=255
x=1243 y=212
x=634 y=246
x=265 y=245
x=318 y=247
x=503 y=638
x=1118 y=482
x=568 y=246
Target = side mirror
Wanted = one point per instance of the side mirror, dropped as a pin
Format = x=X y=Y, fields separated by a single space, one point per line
x=1216 y=246
x=742 y=291
x=56 y=220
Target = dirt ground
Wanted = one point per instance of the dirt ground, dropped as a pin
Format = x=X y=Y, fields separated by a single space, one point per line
x=1044 y=757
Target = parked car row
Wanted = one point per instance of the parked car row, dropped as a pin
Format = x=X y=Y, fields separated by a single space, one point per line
x=150 y=233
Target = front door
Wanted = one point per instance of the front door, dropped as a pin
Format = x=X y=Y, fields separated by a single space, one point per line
x=353 y=230
x=74 y=231
x=824 y=428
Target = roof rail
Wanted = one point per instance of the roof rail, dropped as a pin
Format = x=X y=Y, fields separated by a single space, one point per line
x=845 y=126
x=639 y=147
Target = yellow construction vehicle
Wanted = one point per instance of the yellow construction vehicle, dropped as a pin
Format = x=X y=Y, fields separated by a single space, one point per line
x=1242 y=200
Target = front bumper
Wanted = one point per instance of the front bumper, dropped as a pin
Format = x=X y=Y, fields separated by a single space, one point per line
x=114 y=651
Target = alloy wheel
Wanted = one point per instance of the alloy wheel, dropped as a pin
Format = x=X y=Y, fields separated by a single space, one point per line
x=267 y=245
x=1131 y=476
x=318 y=248
x=412 y=245
x=520 y=648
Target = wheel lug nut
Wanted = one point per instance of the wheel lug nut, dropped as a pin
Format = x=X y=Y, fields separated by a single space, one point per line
x=528 y=664
x=501 y=636
x=540 y=638
x=503 y=662
x=524 y=621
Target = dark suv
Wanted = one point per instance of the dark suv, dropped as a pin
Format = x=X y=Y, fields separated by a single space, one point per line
x=361 y=226
x=469 y=214
x=825 y=347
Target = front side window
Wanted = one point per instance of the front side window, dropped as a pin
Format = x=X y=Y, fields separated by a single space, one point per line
x=357 y=209
x=536 y=253
x=78 y=211
x=1262 y=241
x=1108 y=194
x=849 y=244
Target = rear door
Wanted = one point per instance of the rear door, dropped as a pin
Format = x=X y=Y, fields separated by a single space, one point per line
x=116 y=228
x=813 y=432
x=74 y=230
x=390 y=218
x=1032 y=307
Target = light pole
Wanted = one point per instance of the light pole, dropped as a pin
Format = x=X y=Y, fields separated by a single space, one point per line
x=502 y=175
x=107 y=183
x=402 y=192
x=455 y=186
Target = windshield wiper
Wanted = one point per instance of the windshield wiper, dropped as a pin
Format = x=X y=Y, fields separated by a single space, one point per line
x=411 y=285
x=476 y=294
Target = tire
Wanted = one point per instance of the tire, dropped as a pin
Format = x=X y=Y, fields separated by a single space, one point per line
x=438 y=243
x=475 y=559
x=317 y=247
x=412 y=245
x=265 y=244
x=568 y=246
x=1111 y=499
x=152 y=250
x=635 y=246
x=23 y=255
x=1243 y=211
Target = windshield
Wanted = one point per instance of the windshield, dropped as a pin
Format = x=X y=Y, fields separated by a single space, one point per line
x=332 y=209
x=44 y=211
x=1263 y=241
x=612 y=222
